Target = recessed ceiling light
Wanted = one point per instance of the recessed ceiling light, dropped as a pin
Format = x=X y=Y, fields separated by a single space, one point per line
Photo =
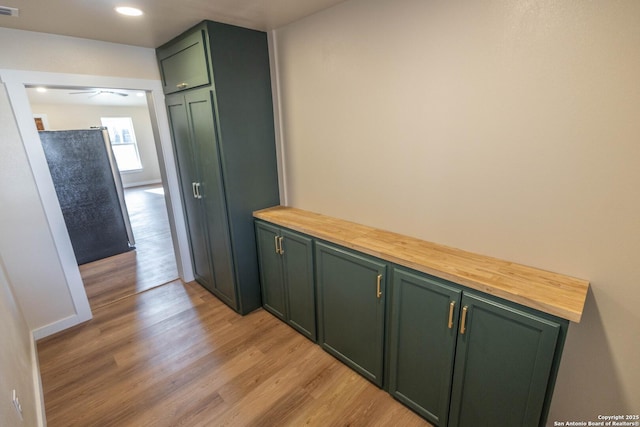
x=41 y=89
x=129 y=11
x=140 y=94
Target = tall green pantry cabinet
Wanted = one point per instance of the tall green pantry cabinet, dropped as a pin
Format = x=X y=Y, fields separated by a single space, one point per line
x=218 y=96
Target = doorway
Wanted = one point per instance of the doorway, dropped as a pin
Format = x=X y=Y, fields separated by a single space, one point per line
x=151 y=261
x=15 y=82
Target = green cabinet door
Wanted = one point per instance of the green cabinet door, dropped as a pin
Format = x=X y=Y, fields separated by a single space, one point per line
x=286 y=276
x=211 y=192
x=271 y=274
x=504 y=362
x=188 y=173
x=184 y=63
x=297 y=256
x=351 y=301
x=423 y=330
x=193 y=131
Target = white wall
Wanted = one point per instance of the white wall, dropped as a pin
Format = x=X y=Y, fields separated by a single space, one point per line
x=69 y=116
x=505 y=128
x=27 y=50
x=26 y=246
x=18 y=369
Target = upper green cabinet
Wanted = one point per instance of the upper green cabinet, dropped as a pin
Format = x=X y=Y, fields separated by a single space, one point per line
x=505 y=363
x=422 y=343
x=286 y=273
x=221 y=117
x=184 y=64
x=351 y=308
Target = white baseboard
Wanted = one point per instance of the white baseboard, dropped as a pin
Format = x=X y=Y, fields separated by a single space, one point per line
x=37 y=334
x=37 y=385
x=60 y=325
x=141 y=183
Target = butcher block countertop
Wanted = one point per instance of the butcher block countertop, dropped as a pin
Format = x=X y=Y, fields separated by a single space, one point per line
x=552 y=293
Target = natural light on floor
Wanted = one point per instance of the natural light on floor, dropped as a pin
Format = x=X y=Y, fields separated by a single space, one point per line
x=156 y=190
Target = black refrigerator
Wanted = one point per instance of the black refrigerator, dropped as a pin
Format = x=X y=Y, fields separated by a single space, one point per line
x=89 y=189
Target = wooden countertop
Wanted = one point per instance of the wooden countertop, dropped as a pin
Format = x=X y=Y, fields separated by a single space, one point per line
x=552 y=293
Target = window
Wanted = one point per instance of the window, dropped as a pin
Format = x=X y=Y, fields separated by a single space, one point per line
x=123 y=142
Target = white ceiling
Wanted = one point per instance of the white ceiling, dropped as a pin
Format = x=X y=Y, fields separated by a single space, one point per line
x=162 y=19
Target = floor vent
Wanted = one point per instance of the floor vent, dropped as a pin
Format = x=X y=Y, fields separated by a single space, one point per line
x=8 y=11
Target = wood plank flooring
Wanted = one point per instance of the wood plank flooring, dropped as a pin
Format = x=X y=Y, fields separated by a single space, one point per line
x=152 y=263
x=176 y=356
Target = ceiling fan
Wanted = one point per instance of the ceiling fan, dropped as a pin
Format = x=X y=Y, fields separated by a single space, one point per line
x=99 y=92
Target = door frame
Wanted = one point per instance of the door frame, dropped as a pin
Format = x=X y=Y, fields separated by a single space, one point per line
x=15 y=82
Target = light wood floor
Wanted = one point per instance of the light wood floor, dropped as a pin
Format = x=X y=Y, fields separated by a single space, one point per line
x=152 y=263
x=177 y=356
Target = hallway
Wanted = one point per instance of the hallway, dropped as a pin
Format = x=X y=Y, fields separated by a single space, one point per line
x=177 y=356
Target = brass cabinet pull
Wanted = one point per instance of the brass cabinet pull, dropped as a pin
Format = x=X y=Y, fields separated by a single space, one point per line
x=277 y=240
x=463 y=321
x=451 y=309
x=378 y=291
x=182 y=85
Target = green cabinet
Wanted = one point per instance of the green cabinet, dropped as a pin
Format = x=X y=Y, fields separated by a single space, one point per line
x=184 y=63
x=456 y=356
x=461 y=359
x=422 y=343
x=505 y=365
x=351 y=308
x=286 y=275
x=223 y=135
